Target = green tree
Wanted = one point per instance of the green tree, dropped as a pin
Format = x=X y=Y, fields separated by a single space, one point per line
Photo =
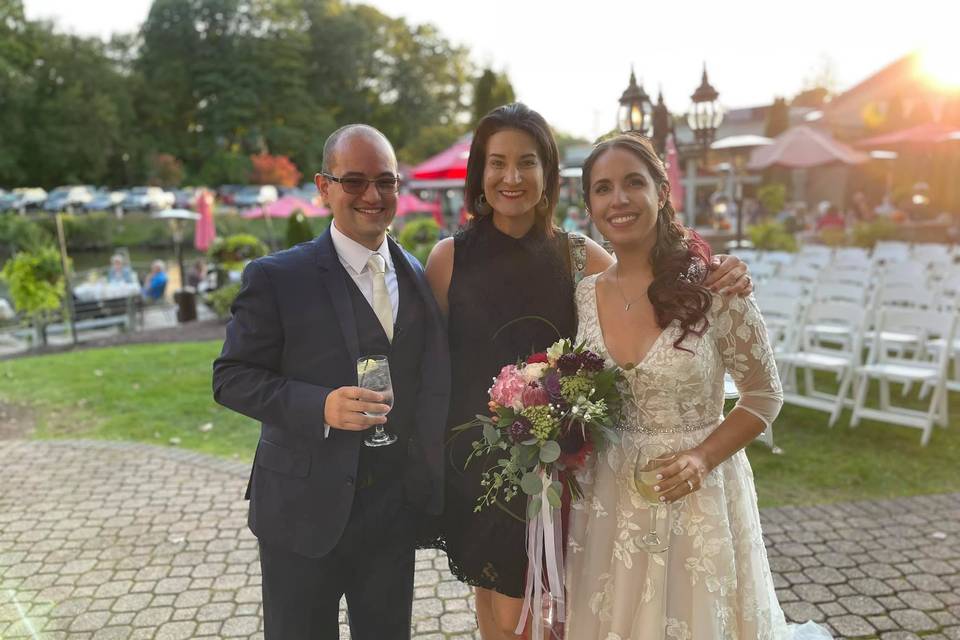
x=490 y=90
x=778 y=119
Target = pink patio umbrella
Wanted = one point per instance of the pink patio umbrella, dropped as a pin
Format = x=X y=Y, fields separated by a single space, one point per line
x=803 y=148
x=205 y=232
x=284 y=207
x=930 y=132
x=673 y=174
x=409 y=203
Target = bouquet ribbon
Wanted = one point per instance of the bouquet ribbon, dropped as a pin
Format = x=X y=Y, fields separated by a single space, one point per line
x=544 y=540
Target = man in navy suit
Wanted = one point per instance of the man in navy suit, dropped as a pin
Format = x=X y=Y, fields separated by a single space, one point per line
x=335 y=517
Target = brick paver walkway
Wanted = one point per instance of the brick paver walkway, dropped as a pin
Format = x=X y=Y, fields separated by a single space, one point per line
x=102 y=540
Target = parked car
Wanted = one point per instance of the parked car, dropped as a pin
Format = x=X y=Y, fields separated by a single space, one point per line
x=68 y=198
x=23 y=198
x=227 y=192
x=185 y=198
x=148 y=199
x=106 y=201
x=255 y=196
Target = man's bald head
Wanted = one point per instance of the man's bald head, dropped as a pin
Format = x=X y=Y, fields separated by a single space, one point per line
x=338 y=138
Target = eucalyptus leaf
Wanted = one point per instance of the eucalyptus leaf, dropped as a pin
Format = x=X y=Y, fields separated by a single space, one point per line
x=533 y=508
x=553 y=497
x=531 y=484
x=490 y=434
x=549 y=452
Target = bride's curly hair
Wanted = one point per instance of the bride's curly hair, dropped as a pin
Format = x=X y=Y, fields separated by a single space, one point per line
x=679 y=261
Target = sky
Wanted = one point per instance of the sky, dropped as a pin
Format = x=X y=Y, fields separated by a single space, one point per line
x=571 y=61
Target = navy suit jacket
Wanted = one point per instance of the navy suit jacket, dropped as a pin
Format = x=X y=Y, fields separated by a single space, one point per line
x=292 y=341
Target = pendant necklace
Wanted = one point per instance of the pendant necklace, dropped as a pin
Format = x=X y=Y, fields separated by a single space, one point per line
x=626 y=303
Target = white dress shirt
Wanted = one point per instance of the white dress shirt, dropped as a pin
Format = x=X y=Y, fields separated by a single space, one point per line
x=353 y=256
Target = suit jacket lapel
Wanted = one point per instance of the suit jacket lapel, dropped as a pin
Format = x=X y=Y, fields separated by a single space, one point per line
x=332 y=276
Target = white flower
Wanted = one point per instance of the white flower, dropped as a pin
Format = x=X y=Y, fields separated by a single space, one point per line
x=533 y=372
x=555 y=350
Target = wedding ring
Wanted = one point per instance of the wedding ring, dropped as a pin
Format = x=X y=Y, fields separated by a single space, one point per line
x=690 y=484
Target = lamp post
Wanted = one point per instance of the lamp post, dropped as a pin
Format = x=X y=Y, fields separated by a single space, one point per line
x=636 y=109
x=705 y=114
x=704 y=118
x=661 y=125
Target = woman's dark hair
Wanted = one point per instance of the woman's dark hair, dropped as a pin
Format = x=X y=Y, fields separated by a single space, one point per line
x=679 y=262
x=519 y=116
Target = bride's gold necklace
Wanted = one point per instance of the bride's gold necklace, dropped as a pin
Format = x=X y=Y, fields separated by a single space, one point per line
x=626 y=303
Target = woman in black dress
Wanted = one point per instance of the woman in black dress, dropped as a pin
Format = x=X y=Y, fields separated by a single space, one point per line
x=510 y=262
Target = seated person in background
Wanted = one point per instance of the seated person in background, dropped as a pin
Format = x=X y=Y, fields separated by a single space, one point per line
x=197 y=275
x=831 y=219
x=119 y=272
x=155 y=283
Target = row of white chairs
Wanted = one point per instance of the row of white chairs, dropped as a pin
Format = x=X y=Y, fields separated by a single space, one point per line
x=884 y=252
x=827 y=327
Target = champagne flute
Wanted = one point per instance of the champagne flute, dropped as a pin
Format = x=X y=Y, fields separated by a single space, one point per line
x=650 y=459
x=373 y=373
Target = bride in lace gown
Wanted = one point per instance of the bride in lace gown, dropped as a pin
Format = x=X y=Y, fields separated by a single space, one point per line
x=649 y=314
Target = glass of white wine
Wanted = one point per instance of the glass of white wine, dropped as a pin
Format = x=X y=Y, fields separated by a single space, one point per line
x=373 y=373
x=650 y=459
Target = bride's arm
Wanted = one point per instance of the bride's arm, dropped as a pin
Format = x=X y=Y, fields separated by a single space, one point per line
x=748 y=358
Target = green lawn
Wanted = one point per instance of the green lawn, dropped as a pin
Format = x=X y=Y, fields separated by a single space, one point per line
x=147 y=393
x=152 y=393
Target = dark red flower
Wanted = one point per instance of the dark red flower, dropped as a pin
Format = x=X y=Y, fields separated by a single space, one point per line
x=591 y=361
x=537 y=357
x=519 y=430
x=568 y=364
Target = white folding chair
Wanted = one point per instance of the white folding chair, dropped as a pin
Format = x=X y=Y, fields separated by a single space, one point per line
x=822 y=251
x=782 y=315
x=859 y=275
x=805 y=274
x=908 y=272
x=747 y=255
x=886 y=365
x=812 y=356
x=827 y=292
x=779 y=257
x=891 y=251
x=762 y=271
x=930 y=253
x=853 y=256
x=779 y=287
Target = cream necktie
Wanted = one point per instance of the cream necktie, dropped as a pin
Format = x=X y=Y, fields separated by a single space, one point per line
x=381 y=298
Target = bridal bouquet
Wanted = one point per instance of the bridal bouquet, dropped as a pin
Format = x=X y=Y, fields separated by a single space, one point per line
x=551 y=411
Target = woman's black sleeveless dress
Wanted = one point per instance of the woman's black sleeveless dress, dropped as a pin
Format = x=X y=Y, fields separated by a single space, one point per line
x=496 y=279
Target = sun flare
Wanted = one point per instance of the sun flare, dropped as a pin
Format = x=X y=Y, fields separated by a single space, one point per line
x=939 y=63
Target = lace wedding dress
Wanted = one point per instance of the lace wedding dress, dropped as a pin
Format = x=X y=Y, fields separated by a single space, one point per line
x=714 y=582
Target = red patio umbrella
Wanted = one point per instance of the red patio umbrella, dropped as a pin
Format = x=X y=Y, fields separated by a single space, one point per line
x=446 y=165
x=803 y=148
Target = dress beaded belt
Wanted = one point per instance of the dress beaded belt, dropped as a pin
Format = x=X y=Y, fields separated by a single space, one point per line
x=681 y=428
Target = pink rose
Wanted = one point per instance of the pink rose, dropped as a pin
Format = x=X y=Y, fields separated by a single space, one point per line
x=507 y=389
